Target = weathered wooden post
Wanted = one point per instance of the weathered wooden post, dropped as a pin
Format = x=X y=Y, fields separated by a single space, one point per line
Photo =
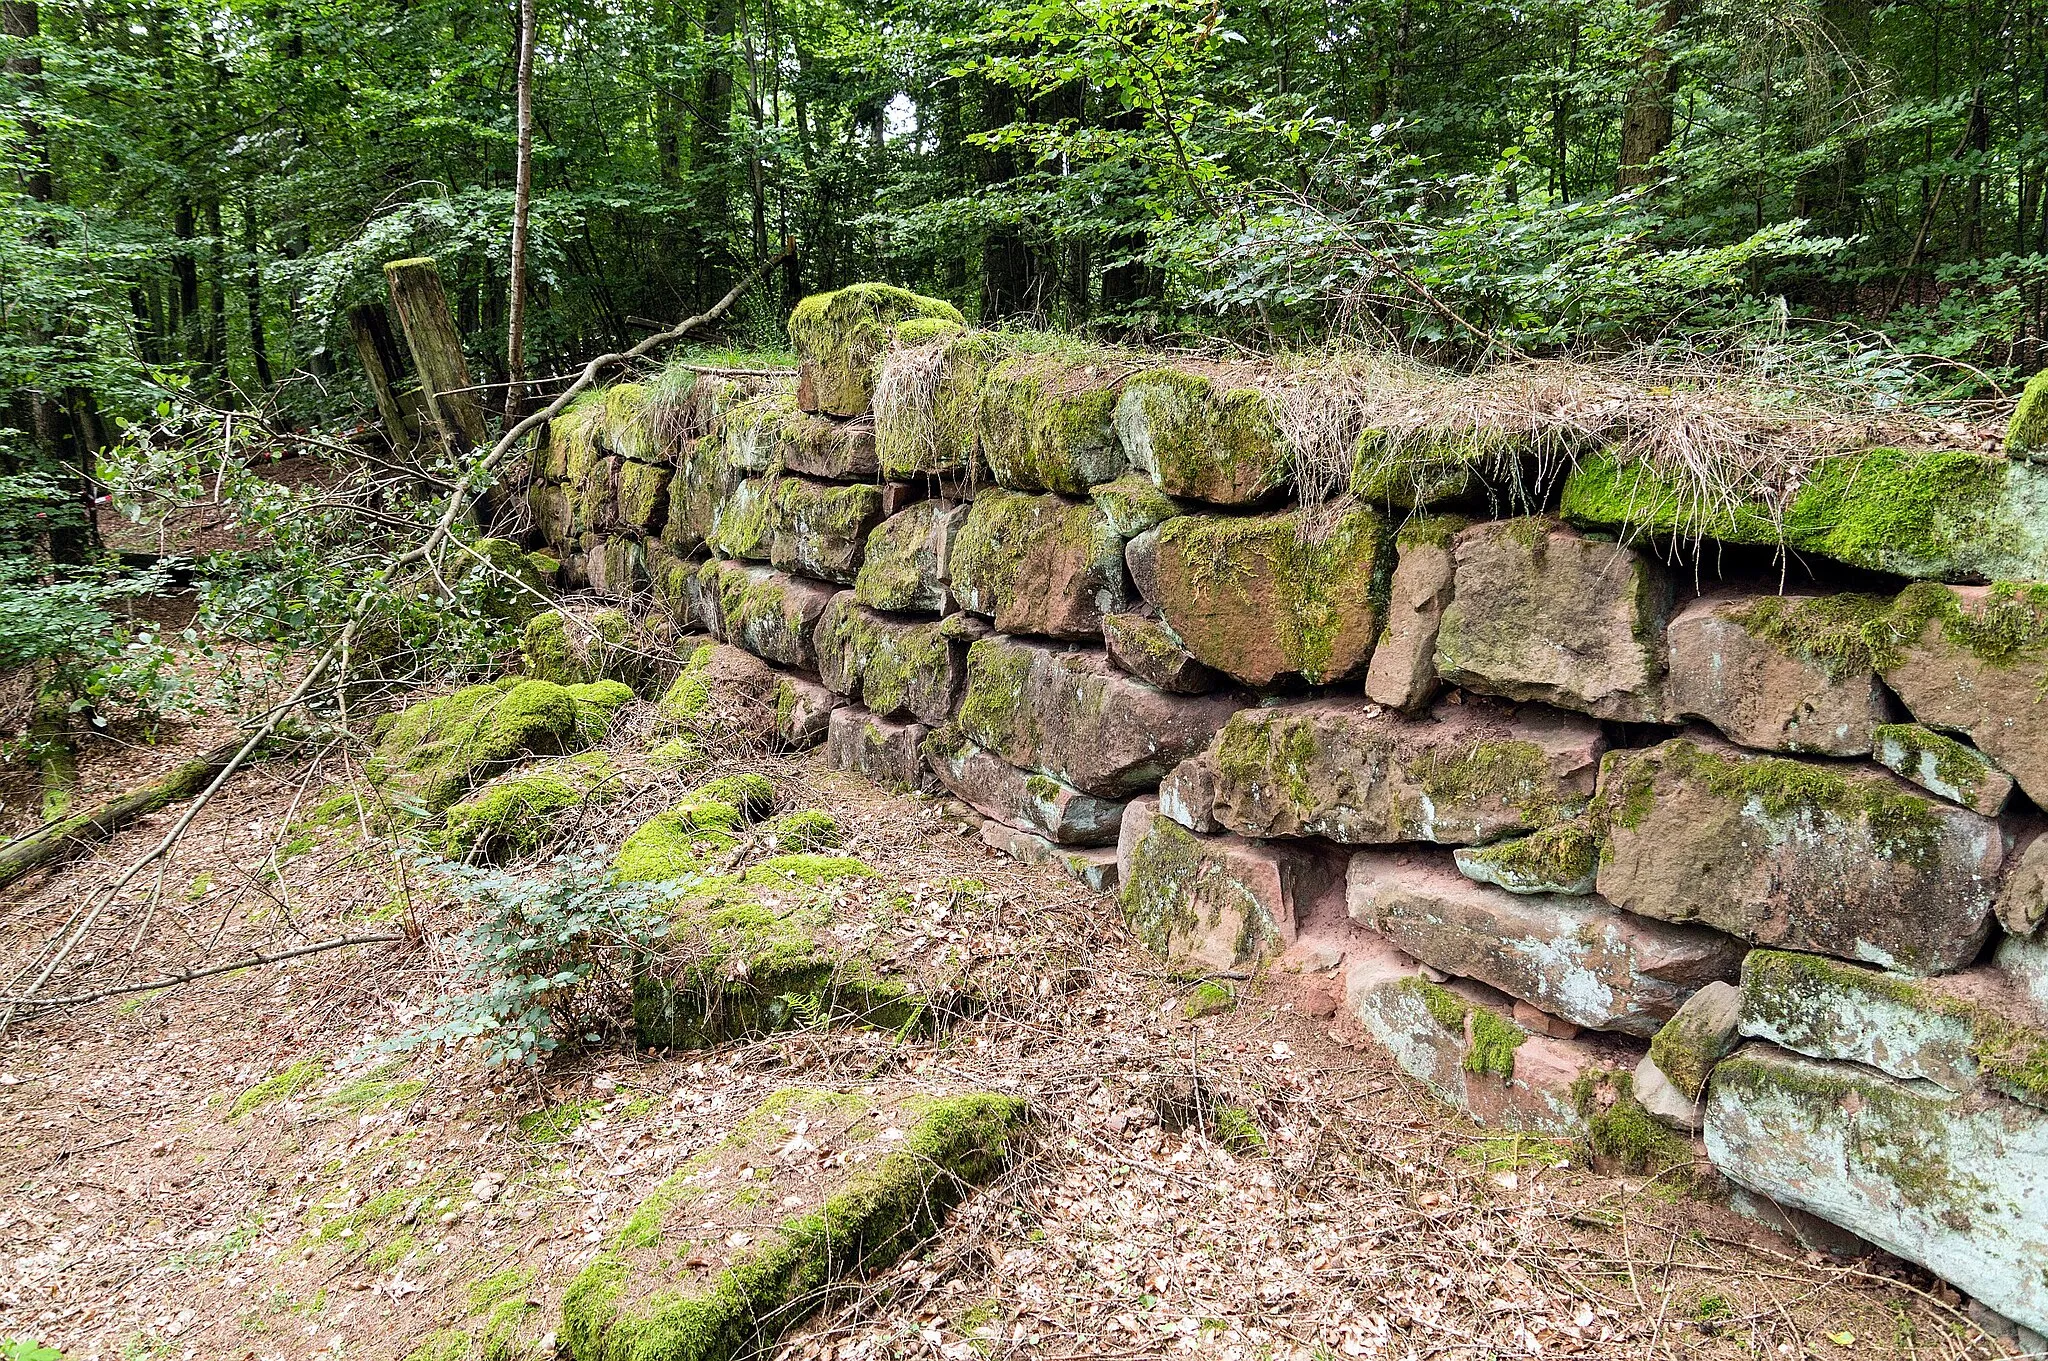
x=377 y=348
x=436 y=347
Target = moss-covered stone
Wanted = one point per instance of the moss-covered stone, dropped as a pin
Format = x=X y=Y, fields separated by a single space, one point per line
x=896 y=667
x=1133 y=503
x=704 y=481
x=508 y=583
x=1038 y=564
x=1560 y=858
x=1470 y=774
x=437 y=749
x=576 y=647
x=689 y=837
x=819 y=529
x=694 y=1276
x=1807 y=856
x=749 y=434
x=1698 y=1036
x=743 y=525
x=643 y=496
x=1203 y=436
x=771 y=614
x=819 y=446
x=1626 y=1137
x=840 y=335
x=927 y=404
x=1752 y=667
x=1974 y=661
x=1413 y=472
x=2027 y=433
x=1958 y=1184
x=1262 y=597
x=1209 y=902
x=1941 y=765
x=1945 y=515
x=1072 y=716
x=514 y=813
x=1957 y=1033
x=905 y=564
x=1047 y=422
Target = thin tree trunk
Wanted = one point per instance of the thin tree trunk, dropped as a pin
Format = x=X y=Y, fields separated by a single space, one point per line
x=252 y=288
x=522 y=203
x=1646 y=122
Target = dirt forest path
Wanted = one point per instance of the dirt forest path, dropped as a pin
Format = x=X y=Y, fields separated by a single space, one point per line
x=236 y=1169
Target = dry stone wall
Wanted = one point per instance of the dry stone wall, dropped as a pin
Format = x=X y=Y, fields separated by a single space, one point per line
x=1600 y=826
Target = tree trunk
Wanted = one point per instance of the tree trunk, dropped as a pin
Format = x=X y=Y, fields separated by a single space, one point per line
x=522 y=202
x=252 y=288
x=1646 y=122
x=436 y=347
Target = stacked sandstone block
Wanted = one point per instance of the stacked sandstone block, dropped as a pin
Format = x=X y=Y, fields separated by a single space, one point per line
x=1579 y=814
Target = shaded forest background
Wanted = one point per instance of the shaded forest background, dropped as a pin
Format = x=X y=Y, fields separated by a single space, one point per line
x=195 y=192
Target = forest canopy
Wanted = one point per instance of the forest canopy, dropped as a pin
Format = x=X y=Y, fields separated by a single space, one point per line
x=193 y=193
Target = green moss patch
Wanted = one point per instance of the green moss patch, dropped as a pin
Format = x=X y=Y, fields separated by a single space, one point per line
x=746 y=1239
x=439 y=748
x=515 y=812
x=1561 y=858
x=1490 y=1040
x=1202 y=436
x=282 y=1085
x=2027 y=433
x=1943 y=514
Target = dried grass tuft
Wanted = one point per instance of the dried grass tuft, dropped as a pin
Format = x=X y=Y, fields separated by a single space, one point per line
x=907 y=396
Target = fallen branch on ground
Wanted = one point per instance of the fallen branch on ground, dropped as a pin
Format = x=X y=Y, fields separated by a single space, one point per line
x=67 y=838
x=193 y=975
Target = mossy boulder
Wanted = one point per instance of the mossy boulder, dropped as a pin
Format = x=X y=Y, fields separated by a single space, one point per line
x=1263 y=597
x=819 y=446
x=1941 y=765
x=1205 y=432
x=1074 y=717
x=2026 y=435
x=898 y=668
x=1464 y=775
x=1561 y=858
x=436 y=750
x=688 y=838
x=1838 y=860
x=886 y=753
x=554 y=518
x=840 y=336
x=577 y=646
x=770 y=614
x=1974 y=660
x=1737 y=662
x=1047 y=422
x=1032 y=802
x=746 y=1239
x=1958 y=1184
x=643 y=496
x=1417 y=471
x=1212 y=903
x=906 y=564
x=749 y=434
x=705 y=480
x=1149 y=649
x=1038 y=565
x=1540 y=613
x=819 y=529
x=508 y=582
x=1962 y=1032
x=515 y=813
x=1570 y=956
x=1939 y=515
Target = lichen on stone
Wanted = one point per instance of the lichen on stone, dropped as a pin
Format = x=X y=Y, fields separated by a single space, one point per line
x=1201 y=438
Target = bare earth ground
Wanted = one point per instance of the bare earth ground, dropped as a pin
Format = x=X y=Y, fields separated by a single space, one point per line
x=234 y=1169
